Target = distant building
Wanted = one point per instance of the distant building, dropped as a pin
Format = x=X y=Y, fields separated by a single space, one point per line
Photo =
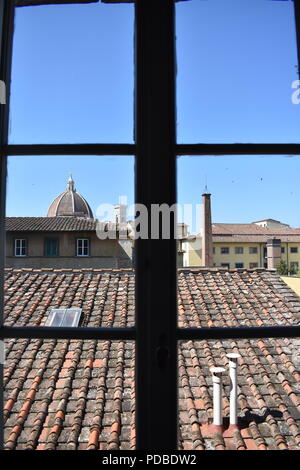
x=66 y=238
x=70 y=204
x=242 y=245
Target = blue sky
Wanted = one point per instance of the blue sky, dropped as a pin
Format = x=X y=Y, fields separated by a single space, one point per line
x=72 y=82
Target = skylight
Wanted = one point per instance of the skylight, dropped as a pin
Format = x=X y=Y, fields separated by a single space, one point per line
x=64 y=317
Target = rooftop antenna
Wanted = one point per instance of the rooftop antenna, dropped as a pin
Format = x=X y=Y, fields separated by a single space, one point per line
x=205 y=188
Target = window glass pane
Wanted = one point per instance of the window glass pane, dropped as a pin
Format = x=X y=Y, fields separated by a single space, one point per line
x=237 y=71
x=58 y=316
x=75 y=268
x=72 y=74
x=267 y=393
x=20 y=247
x=88 y=386
x=72 y=317
x=239 y=211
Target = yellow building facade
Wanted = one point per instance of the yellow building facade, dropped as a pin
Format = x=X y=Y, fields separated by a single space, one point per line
x=244 y=246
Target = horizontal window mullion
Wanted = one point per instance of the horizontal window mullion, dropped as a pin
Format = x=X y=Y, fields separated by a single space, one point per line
x=70 y=149
x=237 y=149
x=68 y=333
x=238 y=333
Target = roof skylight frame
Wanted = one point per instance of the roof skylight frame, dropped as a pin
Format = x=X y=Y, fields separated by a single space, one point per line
x=54 y=313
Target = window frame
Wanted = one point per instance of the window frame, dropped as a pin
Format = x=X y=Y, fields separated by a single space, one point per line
x=77 y=240
x=225 y=265
x=15 y=240
x=241 y=265
x=294 y=267
x=54 y=311
x=156 y=333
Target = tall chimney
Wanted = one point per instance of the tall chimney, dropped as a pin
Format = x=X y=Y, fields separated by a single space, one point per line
x=273 y=252
x=216 y=373
x=207 y=248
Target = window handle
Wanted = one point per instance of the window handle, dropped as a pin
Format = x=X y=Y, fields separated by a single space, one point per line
x=162 y=355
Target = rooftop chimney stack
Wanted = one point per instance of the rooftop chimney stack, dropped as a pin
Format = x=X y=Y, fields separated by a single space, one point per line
x=273 y=252
x=207 y=245
x=233 y=357
x=216 y=373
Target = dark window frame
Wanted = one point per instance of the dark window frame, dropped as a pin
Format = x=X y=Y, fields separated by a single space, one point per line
x=239 y=267
x=225 y=265
x=156 y=333
x=294 y=267
x=225 y=250
x=293 y=249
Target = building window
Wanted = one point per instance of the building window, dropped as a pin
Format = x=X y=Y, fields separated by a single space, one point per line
x=214 y=250
x=253 y=265
x=51 y=247
x=239 y=265
x=64 y=317
x=294 y=249
x=239 y=250
x=225 y=265
x=294 y=266
x=83 y=247
x=20 y=247
x=282 y=249
x=224 y=250
x=253 y=250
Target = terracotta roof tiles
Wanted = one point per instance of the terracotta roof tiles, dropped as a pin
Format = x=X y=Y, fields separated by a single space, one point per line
x=75 y=394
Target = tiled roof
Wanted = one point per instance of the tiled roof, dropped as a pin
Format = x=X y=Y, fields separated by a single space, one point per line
x=72 y=394
x=251 y=229
x=52 y=224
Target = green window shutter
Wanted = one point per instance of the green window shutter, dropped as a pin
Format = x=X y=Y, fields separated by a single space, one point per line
x=51 y=248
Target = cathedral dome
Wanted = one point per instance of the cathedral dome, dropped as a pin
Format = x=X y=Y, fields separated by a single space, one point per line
x=70 y=204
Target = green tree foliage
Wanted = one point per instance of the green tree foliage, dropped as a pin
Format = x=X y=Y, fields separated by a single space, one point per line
x=282 y=268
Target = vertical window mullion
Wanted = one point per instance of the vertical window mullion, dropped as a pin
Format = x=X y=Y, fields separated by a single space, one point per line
x=156 y=317
x=6 y=28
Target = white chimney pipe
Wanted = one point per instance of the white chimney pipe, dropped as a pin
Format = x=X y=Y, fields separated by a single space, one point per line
x=233 y=357
x=217 y=394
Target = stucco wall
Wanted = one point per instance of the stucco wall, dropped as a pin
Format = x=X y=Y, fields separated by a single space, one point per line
x=193 y=254
x=103 y=253
x=293 y=283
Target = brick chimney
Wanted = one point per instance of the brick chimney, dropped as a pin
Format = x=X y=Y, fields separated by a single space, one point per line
x=273 y=252
x=207 y=246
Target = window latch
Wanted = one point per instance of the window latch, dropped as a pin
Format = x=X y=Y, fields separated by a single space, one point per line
x=162 y=353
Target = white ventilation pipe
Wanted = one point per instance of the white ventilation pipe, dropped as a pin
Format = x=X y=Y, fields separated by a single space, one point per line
x=217 y=394
x=233 y=357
